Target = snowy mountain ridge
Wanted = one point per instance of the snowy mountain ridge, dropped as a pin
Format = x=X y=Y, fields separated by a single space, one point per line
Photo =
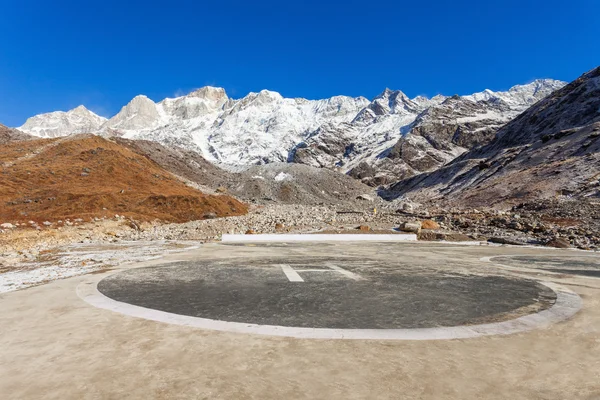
x=265 y=127
x=60 y=123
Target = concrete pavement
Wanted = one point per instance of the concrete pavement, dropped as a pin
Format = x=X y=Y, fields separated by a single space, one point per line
x=54 y=345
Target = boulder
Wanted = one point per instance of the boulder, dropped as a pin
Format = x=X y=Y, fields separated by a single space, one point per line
x=279 y=227
x=431 y=236
x=365 y=197
x=430 y=224
x=363 y=228
x=406 y=207
x=559 y=243
x=250 y=232
x=7 y=225
x=413 y=227
x=210 y=215
x=501 y=240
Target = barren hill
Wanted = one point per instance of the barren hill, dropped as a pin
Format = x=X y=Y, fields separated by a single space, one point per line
x=88 y=176
x=297 y=184
x=550 y=150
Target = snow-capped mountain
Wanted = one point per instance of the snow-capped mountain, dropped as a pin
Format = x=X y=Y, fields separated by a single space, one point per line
x=60 y=123
x=391 y=133
x=395 y=137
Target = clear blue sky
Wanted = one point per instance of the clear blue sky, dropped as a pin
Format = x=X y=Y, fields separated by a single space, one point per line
x=55 y=55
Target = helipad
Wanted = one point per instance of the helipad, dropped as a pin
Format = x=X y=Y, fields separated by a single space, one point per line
x=329 y=296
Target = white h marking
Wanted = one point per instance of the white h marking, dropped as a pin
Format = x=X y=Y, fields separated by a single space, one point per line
x=293 y=275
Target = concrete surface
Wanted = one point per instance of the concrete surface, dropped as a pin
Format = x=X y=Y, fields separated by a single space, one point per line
x=56 y=346
x=379 y=295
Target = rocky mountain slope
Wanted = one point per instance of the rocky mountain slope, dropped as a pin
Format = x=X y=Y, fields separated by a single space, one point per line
x=391 y=136
x=263 y=184
x=86 y=176
x=10 y=135
x=397 y=137
x=552 y=149
x=298 y=184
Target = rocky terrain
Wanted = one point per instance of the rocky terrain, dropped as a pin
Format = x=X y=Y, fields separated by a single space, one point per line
x=262 y=184
x=188 y=165
x=563 y=223
x=552 y=149
x=11 y=135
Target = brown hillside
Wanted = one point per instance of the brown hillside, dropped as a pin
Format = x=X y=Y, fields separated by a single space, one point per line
x=88 y=176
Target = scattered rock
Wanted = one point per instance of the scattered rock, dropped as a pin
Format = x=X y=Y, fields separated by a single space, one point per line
x=279 y=226
x=430 y=224
x=250 y=232
x=7 y=225
x=560 y=243
x=47 y=223
x=365 y=197
x=210 y=215
x=221 y=189
x=457 y=237
x=407 y=207
x=363 y=228
x=501 y=240
x=429 y=235
x=413 y=227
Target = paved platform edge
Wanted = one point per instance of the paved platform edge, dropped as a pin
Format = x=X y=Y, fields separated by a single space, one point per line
x=229 y=238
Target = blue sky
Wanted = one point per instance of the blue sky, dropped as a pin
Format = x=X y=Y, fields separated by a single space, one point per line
x=55 y=55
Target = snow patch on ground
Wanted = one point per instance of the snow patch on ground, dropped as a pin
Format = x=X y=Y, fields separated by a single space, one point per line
x=282 y=176
x=80 y=259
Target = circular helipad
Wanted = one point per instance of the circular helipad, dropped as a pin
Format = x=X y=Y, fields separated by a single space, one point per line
x=330 y=297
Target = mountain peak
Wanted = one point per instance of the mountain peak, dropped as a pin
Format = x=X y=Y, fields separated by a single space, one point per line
x=209 y=93
x=80 y=108
x=140 y=98
x=60 y=123
x=269 y=94
x=389 y=93
x=140 y=113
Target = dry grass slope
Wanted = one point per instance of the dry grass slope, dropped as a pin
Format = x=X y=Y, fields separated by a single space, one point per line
x=88 y=176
